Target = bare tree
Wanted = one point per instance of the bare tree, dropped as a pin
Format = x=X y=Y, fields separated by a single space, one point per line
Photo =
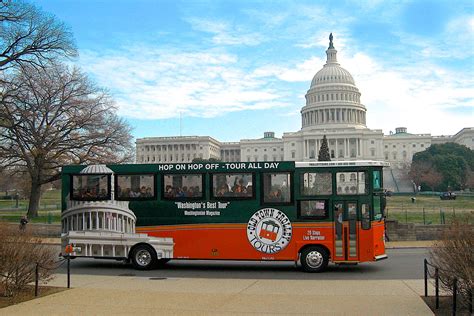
x=454 y=255
x=424 y=172
x=20 y=251
x=56 y=116
x=432 y=178
x=30 y=36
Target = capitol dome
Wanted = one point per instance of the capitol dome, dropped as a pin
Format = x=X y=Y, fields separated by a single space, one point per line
x=333 y=99
x=332 y=73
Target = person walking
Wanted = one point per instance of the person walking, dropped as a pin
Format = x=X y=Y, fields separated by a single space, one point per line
x=23 y=222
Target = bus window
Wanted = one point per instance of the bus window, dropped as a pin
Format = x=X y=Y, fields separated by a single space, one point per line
x=91 y=187
x=131 y=187
x=276 y=188
x=377 y=207
x=316 y=183
x=364 y=210
x=313 y=209
x=232 y=185
x=376 y=175
x=351 y=183
x=182 y=186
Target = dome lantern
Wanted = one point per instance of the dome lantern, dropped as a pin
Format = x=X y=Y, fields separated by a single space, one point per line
x=331 y=52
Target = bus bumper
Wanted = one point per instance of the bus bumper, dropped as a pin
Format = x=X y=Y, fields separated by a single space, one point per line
x=381 y=257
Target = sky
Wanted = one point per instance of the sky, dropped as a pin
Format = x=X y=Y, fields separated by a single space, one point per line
x=235 y=69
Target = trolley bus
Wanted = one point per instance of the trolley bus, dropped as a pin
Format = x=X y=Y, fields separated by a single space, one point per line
x=308 y=212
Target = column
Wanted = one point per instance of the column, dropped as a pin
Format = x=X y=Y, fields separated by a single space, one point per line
x=305 y=149
x=316 y=150
x=346 y=145
x=97 y=220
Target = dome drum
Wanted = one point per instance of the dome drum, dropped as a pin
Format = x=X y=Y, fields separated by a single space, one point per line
x=322 y=117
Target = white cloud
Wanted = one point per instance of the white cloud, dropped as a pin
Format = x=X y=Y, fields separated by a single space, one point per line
x=423 y=97
x=302 y=72
x=159 y=84
x=225 y=33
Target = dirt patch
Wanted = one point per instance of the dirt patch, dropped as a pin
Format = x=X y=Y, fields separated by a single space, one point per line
x=445 y=306
x=29 y=294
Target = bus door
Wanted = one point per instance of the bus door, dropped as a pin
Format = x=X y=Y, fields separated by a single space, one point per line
x=345 y=231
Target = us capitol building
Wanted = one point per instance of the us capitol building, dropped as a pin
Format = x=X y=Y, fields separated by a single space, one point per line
x=332 y=108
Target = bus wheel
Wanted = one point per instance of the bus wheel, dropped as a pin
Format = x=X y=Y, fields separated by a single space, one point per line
x=143 y=257
x=314 y=259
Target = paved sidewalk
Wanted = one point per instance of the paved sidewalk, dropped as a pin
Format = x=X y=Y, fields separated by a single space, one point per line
x=107 y=295
x=410 y=244
x=120 y=295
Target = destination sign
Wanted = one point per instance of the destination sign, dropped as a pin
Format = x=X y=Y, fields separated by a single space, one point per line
x=225 y=166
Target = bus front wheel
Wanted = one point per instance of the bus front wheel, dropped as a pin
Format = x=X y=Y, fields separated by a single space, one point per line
x=143 y=257
x=314 y=259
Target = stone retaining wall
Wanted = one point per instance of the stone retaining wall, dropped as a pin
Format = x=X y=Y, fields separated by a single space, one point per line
x=405 y=232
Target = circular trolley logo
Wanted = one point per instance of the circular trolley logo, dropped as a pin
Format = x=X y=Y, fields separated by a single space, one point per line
x=269 y=230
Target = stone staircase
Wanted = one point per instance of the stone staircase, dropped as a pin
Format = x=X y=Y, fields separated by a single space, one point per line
x=397 y=180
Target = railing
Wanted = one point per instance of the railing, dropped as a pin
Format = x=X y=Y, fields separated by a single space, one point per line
x=410 y=213
x=452 y=285
x=59 y=263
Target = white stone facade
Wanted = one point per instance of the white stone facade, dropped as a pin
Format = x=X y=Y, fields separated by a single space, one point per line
x=333 y=108
x=177 y=149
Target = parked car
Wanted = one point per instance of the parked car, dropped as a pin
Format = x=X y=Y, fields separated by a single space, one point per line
x=447 y=196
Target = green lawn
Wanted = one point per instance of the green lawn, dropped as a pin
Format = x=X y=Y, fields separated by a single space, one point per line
x=50 y=209
x=429 y=209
